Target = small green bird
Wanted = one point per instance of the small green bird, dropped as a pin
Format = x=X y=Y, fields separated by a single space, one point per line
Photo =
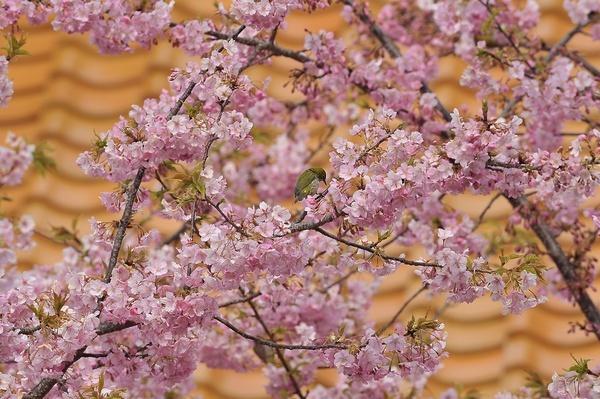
x=308 y=182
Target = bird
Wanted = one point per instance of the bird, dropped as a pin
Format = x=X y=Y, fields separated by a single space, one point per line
x=308 y=182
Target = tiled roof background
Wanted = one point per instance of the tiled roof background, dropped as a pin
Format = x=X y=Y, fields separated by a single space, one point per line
x=66 y=91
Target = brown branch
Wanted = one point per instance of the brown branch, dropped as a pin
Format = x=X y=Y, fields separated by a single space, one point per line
x=175 y=236
x=240 y=300
x=45 y=385
x=393 y=51
x=566 y=268
x=278 y=351
x=375 y=251
x=227 y=218
x=485 y=210
x=131 y=194
x=274 y=344
x=297 y=227
x=177 y=107
x=124 y=223
x=262 y=45
x=374 y=146
x=102 y=329
x=30 y=330
x=564 y=265
x=107 y=327
x=41 y=389
x=402 y=308
x=340 y=280
x=584 y=63
x=554 y=51
x=324 y=139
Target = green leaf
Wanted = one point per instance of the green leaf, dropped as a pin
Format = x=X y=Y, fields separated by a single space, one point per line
x=14 y=46
x=382 y=236
x=42 y=161
x=198 y=183
x=580 y=366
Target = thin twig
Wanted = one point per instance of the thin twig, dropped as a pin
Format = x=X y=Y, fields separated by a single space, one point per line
x=240 y=300
x=320 y=145
x=262 y=45
x=402 y=308
x=485 y=210
x=274 y=344
x=554 y=51
x=375 y=251
x=175 y=236
x=278 y=351
x=340 y=280
x=227 y=218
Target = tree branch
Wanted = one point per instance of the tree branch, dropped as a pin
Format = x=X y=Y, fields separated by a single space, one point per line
x=131 y=193
x=263 y=45
x=240 y=300
x=124 y=223
x=402 y=308
x=485 y=210
x=564 y=265
x=102 y=329
x=297 y=227
x=226 y=218
x=566 y=268
x=175 y=236
x=46 y=384
x=374 y=251
x=394 y=52
x=278 y=351
x=273 y=344
x=42 y=388
x=554 y=51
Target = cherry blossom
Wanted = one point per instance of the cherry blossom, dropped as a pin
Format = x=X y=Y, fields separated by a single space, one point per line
x=6 y=85
x=251 y=280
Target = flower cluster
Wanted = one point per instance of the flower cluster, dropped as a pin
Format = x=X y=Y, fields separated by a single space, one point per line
x=250 y=280
x=14 y=160
x=6 y=85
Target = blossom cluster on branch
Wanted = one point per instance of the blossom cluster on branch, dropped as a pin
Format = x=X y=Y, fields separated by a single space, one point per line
x=249 y=281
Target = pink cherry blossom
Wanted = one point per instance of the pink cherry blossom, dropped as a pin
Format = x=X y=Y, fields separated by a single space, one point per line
x=252 y=280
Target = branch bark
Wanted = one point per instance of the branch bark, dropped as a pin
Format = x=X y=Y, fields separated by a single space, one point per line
x=402 y=308
x=274 y=344
x=564 y=265
x=41 y=389
x=262 y=45
x=393 y=51
x=374 y=251
x=124 y=223
x=132 y=192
